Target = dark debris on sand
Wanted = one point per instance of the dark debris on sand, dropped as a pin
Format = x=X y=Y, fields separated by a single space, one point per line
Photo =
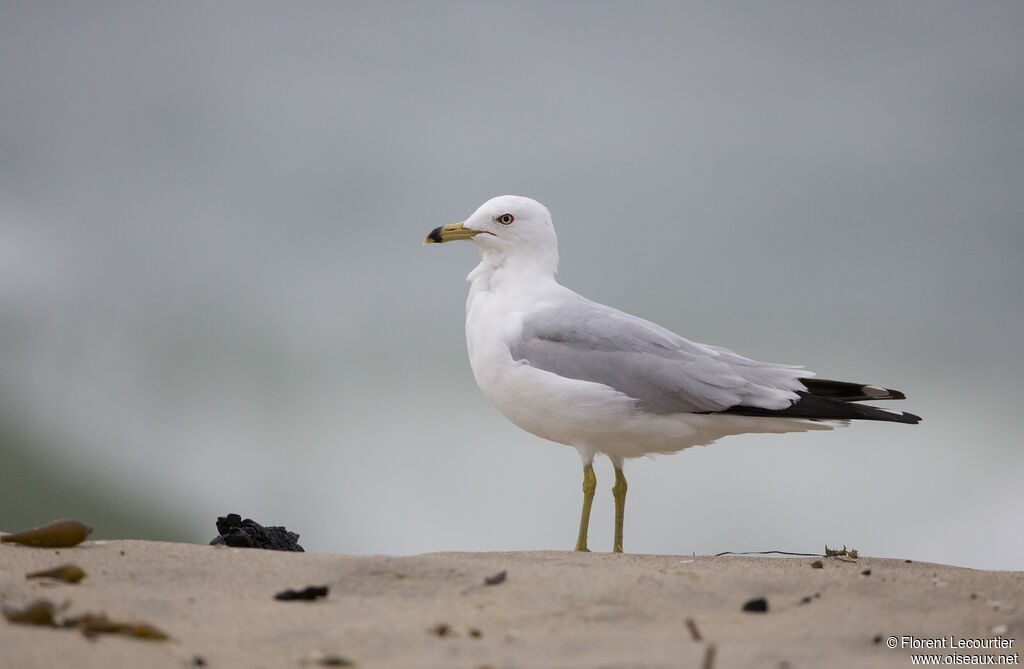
x=248 y=533
x=309 y=593
x=757 y=605
x=496 y=579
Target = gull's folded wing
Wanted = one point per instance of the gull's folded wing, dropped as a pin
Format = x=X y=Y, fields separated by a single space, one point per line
x=666 y=373
x=662 y=371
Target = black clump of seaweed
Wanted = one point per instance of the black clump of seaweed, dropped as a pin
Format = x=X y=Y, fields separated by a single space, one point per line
x=248 y=533
x=309 y=593
x=757 y=605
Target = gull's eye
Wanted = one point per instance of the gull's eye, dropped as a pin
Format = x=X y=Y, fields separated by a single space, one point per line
x=506 y=219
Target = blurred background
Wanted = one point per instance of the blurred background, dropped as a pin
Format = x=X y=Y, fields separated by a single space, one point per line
x=214 y=298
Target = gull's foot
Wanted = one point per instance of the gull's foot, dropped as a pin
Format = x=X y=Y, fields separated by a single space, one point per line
x=581 y=549
x=617 y=549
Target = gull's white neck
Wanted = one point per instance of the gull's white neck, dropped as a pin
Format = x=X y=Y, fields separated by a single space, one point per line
x=504 y=287
x=511 y=274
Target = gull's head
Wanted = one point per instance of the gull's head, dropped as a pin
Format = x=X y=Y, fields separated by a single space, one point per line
x=508 y=227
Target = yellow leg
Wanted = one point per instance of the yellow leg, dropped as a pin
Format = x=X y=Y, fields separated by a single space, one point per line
x=589 y=486
x=619 y=492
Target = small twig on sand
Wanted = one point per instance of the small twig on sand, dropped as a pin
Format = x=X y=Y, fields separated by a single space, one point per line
x=709 y=657
x=692 y=626
x=768 y=553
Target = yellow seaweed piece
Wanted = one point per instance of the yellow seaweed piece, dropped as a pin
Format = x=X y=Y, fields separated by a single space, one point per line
x=59 y=534
x=94 y=624
x=70 y=573
x=38 y=612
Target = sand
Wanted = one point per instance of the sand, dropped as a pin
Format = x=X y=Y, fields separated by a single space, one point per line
x=554 y=609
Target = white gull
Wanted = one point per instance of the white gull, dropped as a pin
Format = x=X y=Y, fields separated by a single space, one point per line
x=602 y=381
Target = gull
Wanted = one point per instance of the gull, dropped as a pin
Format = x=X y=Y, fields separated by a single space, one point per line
x=592 y=377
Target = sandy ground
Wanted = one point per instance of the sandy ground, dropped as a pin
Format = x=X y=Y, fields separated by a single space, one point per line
x=554 y=609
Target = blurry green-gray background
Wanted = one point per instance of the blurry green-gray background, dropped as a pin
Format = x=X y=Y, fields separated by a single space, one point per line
x=214 y=298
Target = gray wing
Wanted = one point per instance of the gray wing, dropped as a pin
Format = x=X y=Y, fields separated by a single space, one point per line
x=662 y=371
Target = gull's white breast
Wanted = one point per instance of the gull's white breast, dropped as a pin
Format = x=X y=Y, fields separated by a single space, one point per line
x=563 y=410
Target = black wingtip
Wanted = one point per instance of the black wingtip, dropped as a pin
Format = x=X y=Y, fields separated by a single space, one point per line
x=844 y=391
x=910 y=419
x=816 y=407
